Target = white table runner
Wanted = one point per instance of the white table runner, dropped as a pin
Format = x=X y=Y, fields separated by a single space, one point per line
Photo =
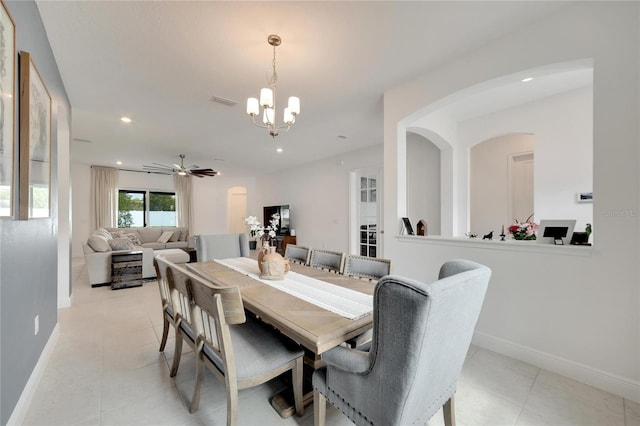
x=342 y=301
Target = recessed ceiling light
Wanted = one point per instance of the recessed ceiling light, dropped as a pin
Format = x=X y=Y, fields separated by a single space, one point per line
x=526 y=80
x=125 y=119
x=279 y=149
x=119 y=163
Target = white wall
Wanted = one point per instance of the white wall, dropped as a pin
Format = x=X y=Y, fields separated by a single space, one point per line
x=575 y=311
x=318 y=196
x=423 y=182
x=563 y=129
x=489 y=188
x=210 y=199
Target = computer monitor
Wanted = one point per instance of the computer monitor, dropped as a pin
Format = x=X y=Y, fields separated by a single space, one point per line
x=556 y=232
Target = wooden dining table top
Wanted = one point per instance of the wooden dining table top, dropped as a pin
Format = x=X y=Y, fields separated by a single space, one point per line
x=313 y=327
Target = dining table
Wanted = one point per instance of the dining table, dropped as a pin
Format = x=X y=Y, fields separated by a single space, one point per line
x=316 y=328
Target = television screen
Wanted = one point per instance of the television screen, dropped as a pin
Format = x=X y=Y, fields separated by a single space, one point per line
x=284 y=226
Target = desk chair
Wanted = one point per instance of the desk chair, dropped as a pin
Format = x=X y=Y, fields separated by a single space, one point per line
x=424 y=328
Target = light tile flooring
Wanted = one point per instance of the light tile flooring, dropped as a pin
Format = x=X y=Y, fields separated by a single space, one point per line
x=106 y=370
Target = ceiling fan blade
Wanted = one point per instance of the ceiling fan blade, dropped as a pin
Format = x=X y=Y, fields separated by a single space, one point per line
x=168 y=169
x=203 y=172
x=175 y=166
x=193 y=166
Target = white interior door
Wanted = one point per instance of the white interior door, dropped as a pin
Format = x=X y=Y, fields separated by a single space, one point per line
x=236 y=209
x=522 y=186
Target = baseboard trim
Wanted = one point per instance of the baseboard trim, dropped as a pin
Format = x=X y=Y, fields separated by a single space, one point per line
x=20 y=410
x=626 y=388
x=64 y=302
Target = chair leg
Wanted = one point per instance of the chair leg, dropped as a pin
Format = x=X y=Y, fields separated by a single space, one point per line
x=298 y=396
x=319 y=408
x=232 y=404
x=165 y=334
x=448 y=409
x=177 y=353
x=195 y=400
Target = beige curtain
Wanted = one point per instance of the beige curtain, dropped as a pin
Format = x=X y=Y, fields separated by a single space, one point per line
x=104 y=181
x=184 y=205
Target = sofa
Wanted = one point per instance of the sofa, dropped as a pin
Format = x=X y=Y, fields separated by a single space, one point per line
x=104 y=241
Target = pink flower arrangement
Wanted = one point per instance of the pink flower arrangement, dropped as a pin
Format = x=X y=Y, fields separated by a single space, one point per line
x=524 y=230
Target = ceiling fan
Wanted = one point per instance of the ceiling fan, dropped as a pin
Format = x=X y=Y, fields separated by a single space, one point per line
x=192 y=170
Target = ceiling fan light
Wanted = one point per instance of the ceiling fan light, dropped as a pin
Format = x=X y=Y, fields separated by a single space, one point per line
x=253 y=108
x=182 y=173
x=294 y=105
x=266 y=98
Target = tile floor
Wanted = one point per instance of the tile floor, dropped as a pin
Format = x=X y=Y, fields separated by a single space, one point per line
x=106 y=370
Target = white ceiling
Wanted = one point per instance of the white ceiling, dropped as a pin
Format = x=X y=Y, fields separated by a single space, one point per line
x=161 y=62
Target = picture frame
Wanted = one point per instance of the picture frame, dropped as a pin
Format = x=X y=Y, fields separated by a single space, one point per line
x=7 y=110
x=35 y=142
x=584 y=197
x=407 y=226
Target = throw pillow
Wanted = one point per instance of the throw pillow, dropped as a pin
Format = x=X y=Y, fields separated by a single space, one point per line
x=183 y=236
x=98 y=243
x=117 y=234
x=103 y=233
x=134 y=238
x=165 y=237
x=175 y=237
x=121 y=244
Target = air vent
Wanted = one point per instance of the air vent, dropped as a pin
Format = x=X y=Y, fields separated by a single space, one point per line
x=223 y=101
x=81 y=140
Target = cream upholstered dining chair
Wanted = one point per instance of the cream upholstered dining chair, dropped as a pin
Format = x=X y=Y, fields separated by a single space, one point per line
x=168 y=312
x=221 y=246
x=240 y=350
x=369 y=268
x=424 y=328
x=328 y=260
x=297 y=254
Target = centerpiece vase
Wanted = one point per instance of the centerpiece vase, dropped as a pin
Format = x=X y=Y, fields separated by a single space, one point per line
x=271 y=264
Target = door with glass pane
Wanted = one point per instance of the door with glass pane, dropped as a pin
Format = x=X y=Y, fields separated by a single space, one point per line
x=367 y=213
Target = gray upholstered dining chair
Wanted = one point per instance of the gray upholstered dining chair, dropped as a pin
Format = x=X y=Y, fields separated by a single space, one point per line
x=369 y=268
x=221 y=246
x=421 y=334
x=238 y=349
x=168 y=312
x=328 y=260
x=297 y=254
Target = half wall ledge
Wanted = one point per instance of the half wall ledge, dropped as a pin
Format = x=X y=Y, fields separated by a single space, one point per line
x=509 y=245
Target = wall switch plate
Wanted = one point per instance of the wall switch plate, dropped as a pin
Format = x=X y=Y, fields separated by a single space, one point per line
x=36 y=325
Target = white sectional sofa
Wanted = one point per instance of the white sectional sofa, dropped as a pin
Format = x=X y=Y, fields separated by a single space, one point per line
x=103 y=242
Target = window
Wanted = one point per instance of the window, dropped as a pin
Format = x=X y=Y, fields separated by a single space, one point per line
x=146 y=208
x=162 y=209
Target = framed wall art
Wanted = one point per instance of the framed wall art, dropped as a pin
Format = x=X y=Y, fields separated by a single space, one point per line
x=7 y=109
x=35 y=142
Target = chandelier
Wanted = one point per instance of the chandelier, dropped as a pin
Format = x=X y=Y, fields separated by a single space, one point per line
x=268 y=100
